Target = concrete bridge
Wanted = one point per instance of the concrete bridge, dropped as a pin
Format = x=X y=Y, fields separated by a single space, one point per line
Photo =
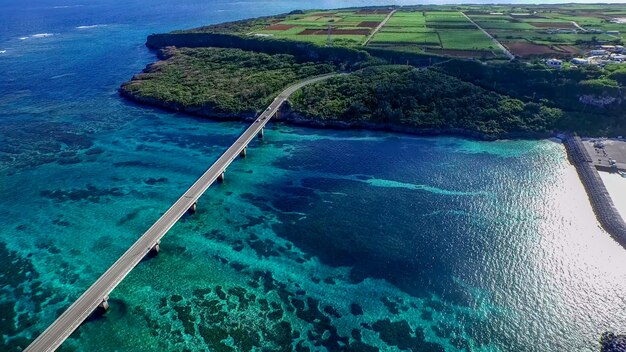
x=97 y=295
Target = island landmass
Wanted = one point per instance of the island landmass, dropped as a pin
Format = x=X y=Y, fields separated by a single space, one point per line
x=402 y=79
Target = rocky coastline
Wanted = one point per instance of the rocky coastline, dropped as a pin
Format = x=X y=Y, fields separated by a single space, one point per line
x=606 y=213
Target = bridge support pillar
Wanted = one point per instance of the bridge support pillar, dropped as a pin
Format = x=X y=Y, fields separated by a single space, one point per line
x=243 y=152
x=104 y=305
x=261 y=133
x=192 y=210
x=156 y=248
x=221 y=177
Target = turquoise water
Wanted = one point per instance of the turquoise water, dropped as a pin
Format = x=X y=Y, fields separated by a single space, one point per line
x=319 y=240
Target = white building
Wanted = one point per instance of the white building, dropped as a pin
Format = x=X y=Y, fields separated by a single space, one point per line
x=554 y=63
x=580 y=61
x=598 y=52
x=618 y=57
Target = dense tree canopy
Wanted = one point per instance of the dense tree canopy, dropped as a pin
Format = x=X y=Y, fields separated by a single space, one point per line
x=423 y=99
x=592 y=98
x=229 y=81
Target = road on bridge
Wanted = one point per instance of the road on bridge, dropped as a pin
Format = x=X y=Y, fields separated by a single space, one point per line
x=98 y=293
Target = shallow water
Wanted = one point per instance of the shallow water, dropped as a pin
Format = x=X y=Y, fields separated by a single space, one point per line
x=320 y=239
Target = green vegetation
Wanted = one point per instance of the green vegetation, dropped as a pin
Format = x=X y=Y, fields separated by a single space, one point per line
x=466 y=40
x=225 y=81
x=410 y=38
x=405 y=96
x=560 y=89
x=406 y=19
x=235 y=69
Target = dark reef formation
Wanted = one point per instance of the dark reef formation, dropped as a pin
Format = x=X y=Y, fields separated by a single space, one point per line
x=613 y=343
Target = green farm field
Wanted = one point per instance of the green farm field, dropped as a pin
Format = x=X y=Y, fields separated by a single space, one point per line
x=529 y=30
x=427 y=39
x=447 y=30
x=466 y=40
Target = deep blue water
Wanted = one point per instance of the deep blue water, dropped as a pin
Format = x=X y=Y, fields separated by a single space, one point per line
x=319 y=239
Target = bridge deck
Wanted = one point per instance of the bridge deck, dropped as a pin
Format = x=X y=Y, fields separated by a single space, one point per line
x=71 y=319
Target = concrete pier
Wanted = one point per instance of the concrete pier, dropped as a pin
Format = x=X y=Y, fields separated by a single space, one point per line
x=192 y=209
x=156 y=248
x=104 y=305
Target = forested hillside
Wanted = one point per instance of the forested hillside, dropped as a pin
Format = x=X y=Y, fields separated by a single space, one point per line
x=423 y=99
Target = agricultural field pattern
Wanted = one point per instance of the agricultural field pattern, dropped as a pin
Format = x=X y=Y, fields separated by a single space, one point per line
x=460 y=31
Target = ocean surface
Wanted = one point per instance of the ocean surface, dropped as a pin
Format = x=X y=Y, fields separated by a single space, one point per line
x=318 y=240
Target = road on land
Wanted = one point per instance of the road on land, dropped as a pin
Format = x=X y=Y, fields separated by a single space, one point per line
x=504 y=49
x=381 y=25
x=71 y=319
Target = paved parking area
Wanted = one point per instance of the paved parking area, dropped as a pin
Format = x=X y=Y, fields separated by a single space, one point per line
x=613 y=149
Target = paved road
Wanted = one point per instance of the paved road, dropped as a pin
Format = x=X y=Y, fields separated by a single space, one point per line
x=505 y=50
x=381 y=25
x=71 y=319
x=578 y=26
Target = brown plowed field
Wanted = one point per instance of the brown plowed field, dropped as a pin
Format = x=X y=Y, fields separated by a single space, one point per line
x=528 y=49
x=280 y=27
x=370 y=24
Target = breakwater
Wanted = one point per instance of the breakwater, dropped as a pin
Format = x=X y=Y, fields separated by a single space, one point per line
x=600 y=199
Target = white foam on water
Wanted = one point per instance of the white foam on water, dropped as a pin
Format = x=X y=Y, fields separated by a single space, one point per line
x=41 y=35
x=38 y=35
x=3 y=51
x=66 y=6
x=91 y=26
x=63 y=75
